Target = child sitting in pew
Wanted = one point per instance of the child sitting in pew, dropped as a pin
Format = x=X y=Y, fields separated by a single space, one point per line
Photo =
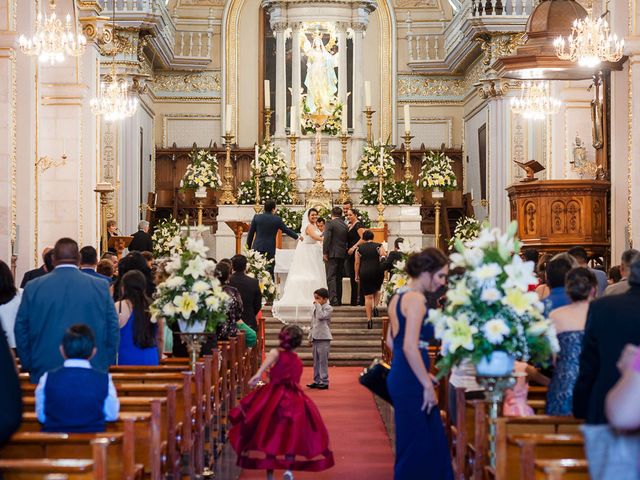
x=75 y=398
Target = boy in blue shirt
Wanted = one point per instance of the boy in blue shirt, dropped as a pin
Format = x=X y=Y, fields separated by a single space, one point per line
x=76 y=398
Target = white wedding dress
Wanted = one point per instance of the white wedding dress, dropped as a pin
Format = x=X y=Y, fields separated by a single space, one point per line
x=306 y=274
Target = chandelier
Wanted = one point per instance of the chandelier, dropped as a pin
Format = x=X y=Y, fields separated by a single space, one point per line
x=52 y=39
x=590 y=42
x=535 y=101
x=114 y=102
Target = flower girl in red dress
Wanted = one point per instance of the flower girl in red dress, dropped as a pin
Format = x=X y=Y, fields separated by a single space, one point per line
x=277 y=426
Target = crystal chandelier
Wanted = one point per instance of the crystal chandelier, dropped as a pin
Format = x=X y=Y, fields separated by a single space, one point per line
x=535 y=101
x=52 y=39
x=114 y=102
x=590 y=42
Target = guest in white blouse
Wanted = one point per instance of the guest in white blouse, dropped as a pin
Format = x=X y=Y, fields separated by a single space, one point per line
x=10 y=297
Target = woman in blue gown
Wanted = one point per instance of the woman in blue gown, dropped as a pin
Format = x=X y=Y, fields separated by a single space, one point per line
x=422 y=452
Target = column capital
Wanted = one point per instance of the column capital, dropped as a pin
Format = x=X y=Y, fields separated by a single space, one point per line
x=279 y=26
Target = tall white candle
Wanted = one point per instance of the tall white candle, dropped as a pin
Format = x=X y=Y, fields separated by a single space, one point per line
x=228 y=120
x=293 y=121
x=256 y=163
x=267 y=94
x=367 y=94
x=381 y=158
x=407 y=119
x=345 y=119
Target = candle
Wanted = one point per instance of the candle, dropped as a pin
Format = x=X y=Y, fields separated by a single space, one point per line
x=227 y=119
x=293 y=121
x=256 y=163
x=471 y=192
x=267 y=95
x=367 y=94
x=407 y=120
x=345 y=120
x=381 y=158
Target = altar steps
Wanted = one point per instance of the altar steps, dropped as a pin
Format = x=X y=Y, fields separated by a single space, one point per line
x=353 y=344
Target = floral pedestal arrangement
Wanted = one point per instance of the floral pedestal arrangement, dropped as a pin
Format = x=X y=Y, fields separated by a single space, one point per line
x=201 y=173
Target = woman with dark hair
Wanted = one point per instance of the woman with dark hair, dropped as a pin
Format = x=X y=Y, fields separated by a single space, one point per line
x=581 y=288
x=10 y=297
x=369 y=273
x=354 y=239
x=140 y=339
x=234 y=313
x=134 y=261
x=421 y=445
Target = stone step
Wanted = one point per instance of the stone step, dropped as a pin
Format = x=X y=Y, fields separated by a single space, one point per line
x=337 y=344
x=342 y=359
x=356 y=333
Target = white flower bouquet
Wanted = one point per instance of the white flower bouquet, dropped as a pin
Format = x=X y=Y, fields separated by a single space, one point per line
x=257 y=267
x=393 y=193
x=273 y=173
x=191 y=294
x=163 y=237
x=436 y=173
x=333 y=125
x=398 y=277
x=467 y=228
x=202 y=171
x=489 y=308
x=370 y=162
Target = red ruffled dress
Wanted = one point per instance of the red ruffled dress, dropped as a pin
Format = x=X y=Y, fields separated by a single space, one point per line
x=278 y=427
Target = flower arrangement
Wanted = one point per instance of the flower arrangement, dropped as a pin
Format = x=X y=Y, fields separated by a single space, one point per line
x=257 y=267
x=489 y=308
x=436 y=172
x=202 y=171
x=398 y=277
x=274 y=178
x=393 y=193
x=191 y=295
x=291 y=218
x=370 y=162
x=332 y=126
x=164 y=233
x=467 y=228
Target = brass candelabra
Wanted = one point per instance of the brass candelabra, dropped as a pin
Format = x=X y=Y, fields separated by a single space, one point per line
x=227 y=197
x=344 y=175
x=407 y=156
x=368 y=112
x=267 y=125
x=318 y=194
x=256 y=172
x=437 y=195
x=293 y=176
x=380 y=206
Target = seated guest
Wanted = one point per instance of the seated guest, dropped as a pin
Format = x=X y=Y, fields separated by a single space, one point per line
x=612 y=322
x=515 y=399
x=140 y=339
x=105 y=267
x=531 y=255
x=569 y=322
x=234 y=314
x=543 y=289
x=627 y=258
x=555 y=274
x=113 y=258
x=10 y=298
x=141 y=239
x=581 y=256
x=394 y=256
x=75 y=398
x=614 y=276
x=623 y=410
x=46 y=267
x=11 y=398
x=249 y=289
x=89 y=262
x=148 y=256
x=134 y=261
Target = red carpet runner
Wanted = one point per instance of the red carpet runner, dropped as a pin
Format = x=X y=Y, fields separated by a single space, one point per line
x=360 y=444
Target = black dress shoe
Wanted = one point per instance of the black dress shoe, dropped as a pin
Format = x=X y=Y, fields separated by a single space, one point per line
x=313 y=385
x=322 y=387
x=370 y=324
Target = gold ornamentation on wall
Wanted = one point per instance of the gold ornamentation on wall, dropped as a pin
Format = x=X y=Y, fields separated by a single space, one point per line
x=438 y=89
x=204 y=82
x=429 y=4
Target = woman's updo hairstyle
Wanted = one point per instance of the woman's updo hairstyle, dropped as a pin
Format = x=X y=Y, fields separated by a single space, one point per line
x=290 y=337
x=579 y=283
x=312 y=210
x=429 y=260
x=367 y=235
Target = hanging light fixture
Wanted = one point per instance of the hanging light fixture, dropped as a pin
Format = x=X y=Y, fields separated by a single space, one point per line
x=590 y=42
x=52 y=40
x=535 y=101
x=114 y=102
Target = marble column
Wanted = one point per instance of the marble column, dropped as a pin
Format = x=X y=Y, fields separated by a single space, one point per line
x=281 y=80
x=359 y=123
x=498 y=160
x=342 y=67
x=296 y=83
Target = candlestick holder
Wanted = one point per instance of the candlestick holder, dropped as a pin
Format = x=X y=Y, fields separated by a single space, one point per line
x=193 y=343
x=293 y=176
x=407 y=156
x=368 y=112
x=437 y=195
x=344 y=175
x=227 y=197
x=267 y=125
x=256 y=173
x=318 y=194
x=380 y=206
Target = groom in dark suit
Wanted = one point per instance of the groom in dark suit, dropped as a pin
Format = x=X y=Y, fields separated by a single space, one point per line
x=263 y=231
x=334 y=252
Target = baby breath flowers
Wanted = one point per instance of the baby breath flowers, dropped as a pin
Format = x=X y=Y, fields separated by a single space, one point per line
x=191 y=295
x=202 y=172
x=258 y=268
x=163 y=235
x=488 y=306
x=273 y=173
x=436 y=173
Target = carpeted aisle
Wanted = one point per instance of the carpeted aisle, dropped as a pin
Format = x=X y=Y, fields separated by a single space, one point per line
x=360 y=444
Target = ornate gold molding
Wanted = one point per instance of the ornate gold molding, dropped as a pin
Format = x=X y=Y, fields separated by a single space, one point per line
x=191 y=83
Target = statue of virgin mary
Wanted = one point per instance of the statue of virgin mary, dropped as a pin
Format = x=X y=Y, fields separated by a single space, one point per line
x=321 y=80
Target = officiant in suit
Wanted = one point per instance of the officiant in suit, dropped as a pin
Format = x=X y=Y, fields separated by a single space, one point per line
x=264 y=229
x=334 y=252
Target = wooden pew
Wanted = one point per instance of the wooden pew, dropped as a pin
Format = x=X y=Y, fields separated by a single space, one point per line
x=120 y=450
x=524 y=449
x=562 y=469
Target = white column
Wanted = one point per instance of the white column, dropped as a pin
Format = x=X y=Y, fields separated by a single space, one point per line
x=295 y=65
x=342 y=67
x=498 y=156
x=359 y=122
x=281 y=80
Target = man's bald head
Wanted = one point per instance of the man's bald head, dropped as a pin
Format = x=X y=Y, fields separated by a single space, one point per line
x=66 y=252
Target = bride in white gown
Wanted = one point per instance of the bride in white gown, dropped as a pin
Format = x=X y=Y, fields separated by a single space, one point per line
x=306 y=274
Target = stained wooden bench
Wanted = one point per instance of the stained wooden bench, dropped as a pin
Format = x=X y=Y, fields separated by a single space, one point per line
x=524 y=449
x=562 y=469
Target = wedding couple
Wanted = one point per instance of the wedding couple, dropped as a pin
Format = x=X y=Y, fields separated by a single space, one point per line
x=318 y=262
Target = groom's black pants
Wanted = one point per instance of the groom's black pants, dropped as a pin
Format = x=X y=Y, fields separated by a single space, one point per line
x=335 y=272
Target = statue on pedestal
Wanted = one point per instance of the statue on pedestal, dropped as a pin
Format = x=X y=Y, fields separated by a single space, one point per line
x=321 y=79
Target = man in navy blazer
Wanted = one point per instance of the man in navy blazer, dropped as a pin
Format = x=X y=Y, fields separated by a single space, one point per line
x=52 y=303
x=89 y=262
x=264 y=229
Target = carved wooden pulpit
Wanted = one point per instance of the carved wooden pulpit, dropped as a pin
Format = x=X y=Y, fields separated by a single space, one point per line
x=555 y=215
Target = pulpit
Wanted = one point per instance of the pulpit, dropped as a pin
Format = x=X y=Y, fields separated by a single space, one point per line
x=555 y=215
